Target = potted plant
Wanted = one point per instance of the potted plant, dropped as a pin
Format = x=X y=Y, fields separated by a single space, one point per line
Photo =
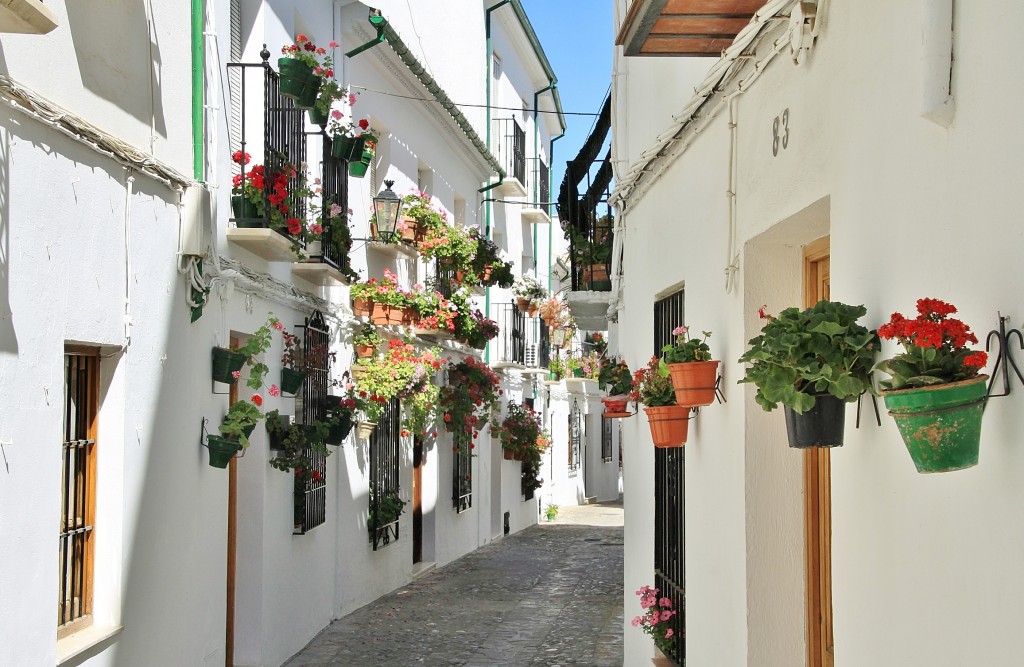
x=301 y=67
x=618 y=380
x=235 y=429
x=330 y=91
x=556 y=369
x=812 y=361
x=228 y=362
x=592 y=257
x=433 y=312
x=518 y=432
x=388 y=298
x=573 y=366
x=357 y=166
x=529 y=294
x=452 y=247
x=467 y=399
x=554 y=312
x=590 y=365
x=348 y=136
x=385 y=508
x=366 y=341
x=669 y=422
x=655 y=620
x=292 y=370
x=935 y=394
x=551 y=511
x=693 y=373
x=405 y=372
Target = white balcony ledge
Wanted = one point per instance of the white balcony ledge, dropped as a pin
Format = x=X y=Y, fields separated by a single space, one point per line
x=26 y=16
x=261 y=241
x=535 y=216
x=511 y=187
x=392 y=249
x=319 y=273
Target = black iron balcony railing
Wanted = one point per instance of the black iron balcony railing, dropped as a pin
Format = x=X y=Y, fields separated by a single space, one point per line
x=587 y=218
x=523 y=340
x=444 y=279
x=510 y=144
x=544 y=190
x=334 y=182
x=284 y=138
x=590 y=254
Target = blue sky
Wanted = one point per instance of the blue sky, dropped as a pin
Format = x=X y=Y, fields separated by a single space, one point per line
x=577 y=38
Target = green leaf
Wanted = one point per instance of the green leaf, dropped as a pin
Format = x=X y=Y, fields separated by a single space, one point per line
x=801 y=402
x=828 y=328
x=846 y=386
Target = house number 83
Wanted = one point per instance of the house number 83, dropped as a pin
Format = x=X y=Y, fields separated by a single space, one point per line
x=780 y=133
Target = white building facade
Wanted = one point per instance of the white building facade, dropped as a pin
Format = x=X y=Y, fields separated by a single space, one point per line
x=869 y=131
x=117 y=217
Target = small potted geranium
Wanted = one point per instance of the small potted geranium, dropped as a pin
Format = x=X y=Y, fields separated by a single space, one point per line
x=812 y=361
x=518 y=432
x=228 y=362
x=669 y=422
x=693 y=373
x=467 y=399
x=292 y=363
x=618 y=380
x=529 y=294
x=656 y=620
x=302 y=65
x=366 y=341
x=935 y=394
x=235 y=429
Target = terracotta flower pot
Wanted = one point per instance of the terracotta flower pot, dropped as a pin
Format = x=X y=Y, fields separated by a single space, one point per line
x=523 y=304
x=694 y=382
x=363 y=351
x=362 y=307
x=385 y=314
x=669 y=424
x=615 y=407
x=508 y=454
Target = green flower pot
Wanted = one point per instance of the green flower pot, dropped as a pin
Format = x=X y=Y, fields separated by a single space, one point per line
x=222 y=450
x=291 y=380
x=245 y=213
x=226 y=362
x=577 y=372
x=940 y=425
x=298 y=82
x=338 y=432
x=347 y=148
x=358 y=169
x=317 y=118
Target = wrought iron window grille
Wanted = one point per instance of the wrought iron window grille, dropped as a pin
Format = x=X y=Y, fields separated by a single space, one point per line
x=310 y=489
x=510 y=140
x=462 y=479
x=576 y=434
x=606 y=440
x=385 y=450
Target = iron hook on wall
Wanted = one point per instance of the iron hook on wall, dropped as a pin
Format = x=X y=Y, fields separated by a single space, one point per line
x=1004 y=359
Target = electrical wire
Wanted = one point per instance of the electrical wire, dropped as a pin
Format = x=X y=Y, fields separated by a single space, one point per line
x=471 y=106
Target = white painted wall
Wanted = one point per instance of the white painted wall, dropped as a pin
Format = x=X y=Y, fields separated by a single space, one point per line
x=905 y=200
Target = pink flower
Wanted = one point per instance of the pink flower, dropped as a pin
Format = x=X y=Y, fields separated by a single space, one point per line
x=351 y=99
x=316 y=228
x=236 y=374
x=669 y=633
x=278 y=325
x=274 y=391
x=665 y=602
x=332 y=45
x=679 y=331
x=636 y=622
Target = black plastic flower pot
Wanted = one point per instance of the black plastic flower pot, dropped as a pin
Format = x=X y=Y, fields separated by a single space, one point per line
x=339 y=431
x=821 y=426
x=225 y=363
x=291 y=380
x=222 y=450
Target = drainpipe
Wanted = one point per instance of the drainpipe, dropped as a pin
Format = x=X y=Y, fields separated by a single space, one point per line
x=377 y=21
x=198 y=90
x=536 y=168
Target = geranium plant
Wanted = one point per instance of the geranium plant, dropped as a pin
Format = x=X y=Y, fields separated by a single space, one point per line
x=801 y=353
x=520 y=431
x=385 y=508
x=453 y=246
x=652 y=386
x=656 y=618
x=241 y=419
x=686 y=349
x=386 y=291
x=418 y=206
x=403 y=372
x=616 y=377
x=935 y=348
x=433 y=310
x=467 y=399
x=255 y=345
x=529 y=288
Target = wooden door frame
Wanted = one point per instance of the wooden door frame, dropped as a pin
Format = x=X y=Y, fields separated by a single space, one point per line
x=818 y=505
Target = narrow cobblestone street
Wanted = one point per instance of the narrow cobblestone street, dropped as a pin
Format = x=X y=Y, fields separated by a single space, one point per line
x=548 y=596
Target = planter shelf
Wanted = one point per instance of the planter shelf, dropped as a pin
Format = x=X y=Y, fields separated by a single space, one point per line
x=263 y=242
x=319 y=273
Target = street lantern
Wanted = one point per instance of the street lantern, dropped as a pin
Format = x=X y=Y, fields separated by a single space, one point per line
x=387 y=207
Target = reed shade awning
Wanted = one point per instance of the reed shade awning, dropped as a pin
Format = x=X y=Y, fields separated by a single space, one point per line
x=683 y=27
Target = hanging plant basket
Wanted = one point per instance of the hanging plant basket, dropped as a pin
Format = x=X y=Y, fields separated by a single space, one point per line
x=225 y=363
x=291 y=380
x=348 y=148
x=222 y=450
x=523 y=304
x=694 y=382
x=364 y=429
x=940 y=425
x=245 y=213
x=339 y=431
x=317 y=118
x=669 y=424
x=298 y=83
x=821 y=426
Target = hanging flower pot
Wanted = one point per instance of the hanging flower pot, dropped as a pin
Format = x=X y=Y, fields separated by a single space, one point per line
x=941 y=424
x=222 y=450
x=225 y=363
x=339 y=430
x=615 y=406
x=298 y=83
x=363 y=351
x=821 y=426
x=316 y=117
x=348 y=148
x=358 y=169
x=523 y=304
x=362 y=307
x=669 y=424
x=364 y=429
x=694 y=382
x=291 y=380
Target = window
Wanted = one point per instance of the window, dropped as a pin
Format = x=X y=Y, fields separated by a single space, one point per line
x=384 y=453
x=669 y=515
x=310 y=491
x=606 y=439
x=495 y=66
x=462 y=479
x=78 y=484
x=576 y=434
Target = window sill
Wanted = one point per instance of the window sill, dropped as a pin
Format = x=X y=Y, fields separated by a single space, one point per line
x=83 y=640
x=26 y=16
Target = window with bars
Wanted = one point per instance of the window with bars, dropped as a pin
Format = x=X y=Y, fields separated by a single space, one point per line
x=669 y=505
x=78 y=486
x=310 y=491
x=606 y=440
x=462 y=479
x=576 y=435
x=384 y=459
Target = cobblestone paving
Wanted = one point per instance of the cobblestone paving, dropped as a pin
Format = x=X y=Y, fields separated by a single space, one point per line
x=549 y=596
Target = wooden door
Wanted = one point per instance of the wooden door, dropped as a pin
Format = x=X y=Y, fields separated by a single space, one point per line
x=818 y=496
x=417 y=499
x=229 y=625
